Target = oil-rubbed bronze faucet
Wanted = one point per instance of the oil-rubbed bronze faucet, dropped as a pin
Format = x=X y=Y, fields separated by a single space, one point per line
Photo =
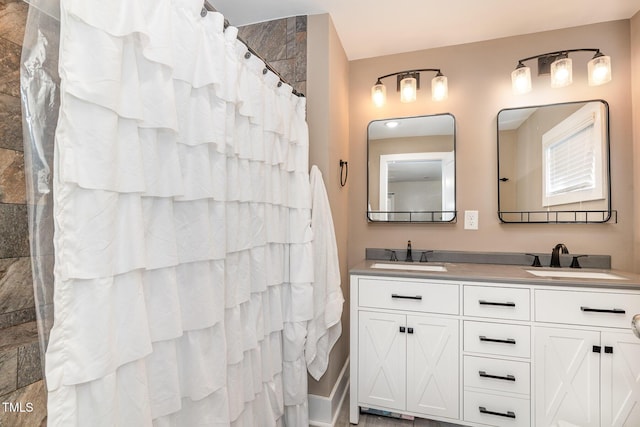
x=555 y=254
x=408 y=258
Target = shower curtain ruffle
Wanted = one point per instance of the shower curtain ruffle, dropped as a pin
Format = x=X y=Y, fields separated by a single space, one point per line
x=182 y=211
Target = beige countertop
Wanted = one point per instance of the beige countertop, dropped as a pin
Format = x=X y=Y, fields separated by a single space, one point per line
x=497 y=273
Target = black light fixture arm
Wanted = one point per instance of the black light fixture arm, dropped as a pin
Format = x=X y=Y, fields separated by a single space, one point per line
x=558 y=53
x=407 y=72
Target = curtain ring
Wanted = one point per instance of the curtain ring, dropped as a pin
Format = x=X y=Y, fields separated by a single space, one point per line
x=344 y=172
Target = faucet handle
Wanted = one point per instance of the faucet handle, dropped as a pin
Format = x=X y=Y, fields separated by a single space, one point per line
x=575 y=263
x=536 y=260
x=394 y=257
x=423 y=256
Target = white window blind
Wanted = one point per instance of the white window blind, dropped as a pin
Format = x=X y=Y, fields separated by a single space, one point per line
x=573 y=161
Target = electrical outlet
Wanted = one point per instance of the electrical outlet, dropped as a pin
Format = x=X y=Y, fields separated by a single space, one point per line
x=470 y=220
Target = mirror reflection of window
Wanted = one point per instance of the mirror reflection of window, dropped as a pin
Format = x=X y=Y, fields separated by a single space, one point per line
x=572 y=161
x=411 y=169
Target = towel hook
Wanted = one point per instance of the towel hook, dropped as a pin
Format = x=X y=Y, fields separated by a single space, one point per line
x=344 y=172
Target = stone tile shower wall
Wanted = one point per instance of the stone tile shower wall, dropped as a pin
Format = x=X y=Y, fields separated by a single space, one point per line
x=282 y=43
x=22 y=395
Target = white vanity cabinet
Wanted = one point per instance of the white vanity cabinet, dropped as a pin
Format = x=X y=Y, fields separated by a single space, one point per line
x=405 y=347
x=588 y=366
x=478 y=353
x=407 y=363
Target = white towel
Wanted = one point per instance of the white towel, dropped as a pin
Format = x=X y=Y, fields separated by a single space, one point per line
x=325 y=328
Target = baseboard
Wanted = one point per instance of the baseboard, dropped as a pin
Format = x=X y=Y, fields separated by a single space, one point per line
x=323 y=410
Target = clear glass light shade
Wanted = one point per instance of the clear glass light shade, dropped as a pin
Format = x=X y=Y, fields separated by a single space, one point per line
x=439 y=88
x=561 y=72
x=379 y=94
x=599 y=70
x=521 y=80
x=408 y=89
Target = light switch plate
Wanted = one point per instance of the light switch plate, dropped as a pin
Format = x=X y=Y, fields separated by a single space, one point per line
x=470 y=220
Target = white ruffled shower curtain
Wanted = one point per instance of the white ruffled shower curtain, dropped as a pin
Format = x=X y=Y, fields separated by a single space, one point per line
x=182 y=238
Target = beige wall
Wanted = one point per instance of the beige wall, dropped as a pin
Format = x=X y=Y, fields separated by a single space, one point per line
x=328 y=118
x=479 y=87
x=508 y=162
x=635 y=90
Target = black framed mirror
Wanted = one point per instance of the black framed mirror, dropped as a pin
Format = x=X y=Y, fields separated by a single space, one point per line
x=411 y=171
x=553 y=163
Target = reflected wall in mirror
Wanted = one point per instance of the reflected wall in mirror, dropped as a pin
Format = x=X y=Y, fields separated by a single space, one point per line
x=553 y=163
x=411 y=169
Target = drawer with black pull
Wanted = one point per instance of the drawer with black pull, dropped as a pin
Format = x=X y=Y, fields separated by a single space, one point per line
x=497 y=338
x=496 y=374
x=606 y=309
x=497 y=302
x=496 y=410
x=431 y=297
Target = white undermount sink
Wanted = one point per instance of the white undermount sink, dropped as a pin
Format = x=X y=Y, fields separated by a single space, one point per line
x=564 y=274
x=413 y=267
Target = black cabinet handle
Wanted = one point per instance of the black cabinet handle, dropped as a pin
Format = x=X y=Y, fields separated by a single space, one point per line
x=509 y=414
x=409 y=330
x=483 y=374
x=506 y=341
x=501 y=304
x=402 y=329
x=406 y=296
x=602 y=310
x=598 y=349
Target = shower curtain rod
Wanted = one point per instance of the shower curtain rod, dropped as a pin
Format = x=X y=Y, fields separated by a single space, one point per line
x=208 y=7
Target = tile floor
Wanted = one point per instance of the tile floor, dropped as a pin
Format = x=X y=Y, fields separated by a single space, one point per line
x=377 y=421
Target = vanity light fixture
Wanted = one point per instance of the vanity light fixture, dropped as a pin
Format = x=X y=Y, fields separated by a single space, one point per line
x=408 y=83
x=559 y=65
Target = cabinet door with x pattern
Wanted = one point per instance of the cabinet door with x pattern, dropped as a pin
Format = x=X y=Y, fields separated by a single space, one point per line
x=620 y=379
x=567 y=376
x=382 y=343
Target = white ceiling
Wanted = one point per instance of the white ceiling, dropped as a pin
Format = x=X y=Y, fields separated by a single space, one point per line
x=369 y=28
x=512 y=119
